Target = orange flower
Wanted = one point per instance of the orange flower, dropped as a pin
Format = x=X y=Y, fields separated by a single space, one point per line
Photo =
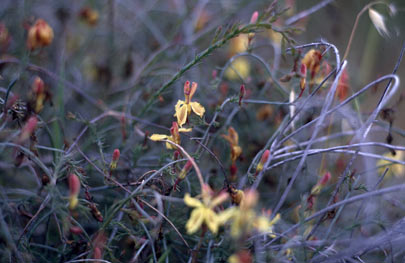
x=39 y=35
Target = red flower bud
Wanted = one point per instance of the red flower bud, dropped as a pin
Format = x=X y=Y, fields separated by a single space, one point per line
x=242 y=93
x=325 y=179
x=74 y=184
x=185 y=169
x=254 y=17
x=115 y=158
x=75 y=230
x=116 y=155
x=74 y=189
x=38 y=86
x=28 y=129
x=263 y=160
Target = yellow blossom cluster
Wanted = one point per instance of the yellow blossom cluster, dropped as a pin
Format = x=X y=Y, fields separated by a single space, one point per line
x=243 y=218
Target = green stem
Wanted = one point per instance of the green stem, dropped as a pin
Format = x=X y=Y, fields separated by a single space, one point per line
x=244 y=30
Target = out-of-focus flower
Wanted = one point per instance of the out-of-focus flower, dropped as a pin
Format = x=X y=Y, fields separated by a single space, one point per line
x=203 y=212
x=202 y=20
x=98 y=245
x=264 y=112
x=183 y=108
x=5 y=37
x=174 y=137
x=39 y=35
x=397 y=169
x=28 y=129
x=244 y=218
x=239 y=68
x=74 y=190
x=321 y=183
x=379 y=22
x=233 y=138
x=238 y=44
x=89 y=15
x=242 y=256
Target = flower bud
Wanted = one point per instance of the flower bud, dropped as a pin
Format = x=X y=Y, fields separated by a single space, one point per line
x=39 y=94
x=115 y=158
x=28 y=129
x=174 y=131
x=185 y=169
x=321 y=183
x=88 y=15
x=39 y=35
x=74 y=190
x=263 y=160
x=242 y=93
x=325 y=179
x=254 y=17
x=75 y=230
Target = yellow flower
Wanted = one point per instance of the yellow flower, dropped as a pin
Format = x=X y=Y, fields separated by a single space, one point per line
x=174 y=137
x=263 y=224
x=244 y=218
x=203 y=212
x=239 y=68
x=233 y=138
x=183 y=108
x=239 y=44
x=396 y=169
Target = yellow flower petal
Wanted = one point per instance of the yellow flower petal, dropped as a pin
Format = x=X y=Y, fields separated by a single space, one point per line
x=195 y=221
x=226 y=215
x=192 y=202
x=177 y=106
x=394 y=168
x=158 y=137
x=275 y=219
x=262 y=224
x=197 y=108
x=218 y=200
x=211 y=220
x=185 y=129
x=73 y=201
x=181 y=115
